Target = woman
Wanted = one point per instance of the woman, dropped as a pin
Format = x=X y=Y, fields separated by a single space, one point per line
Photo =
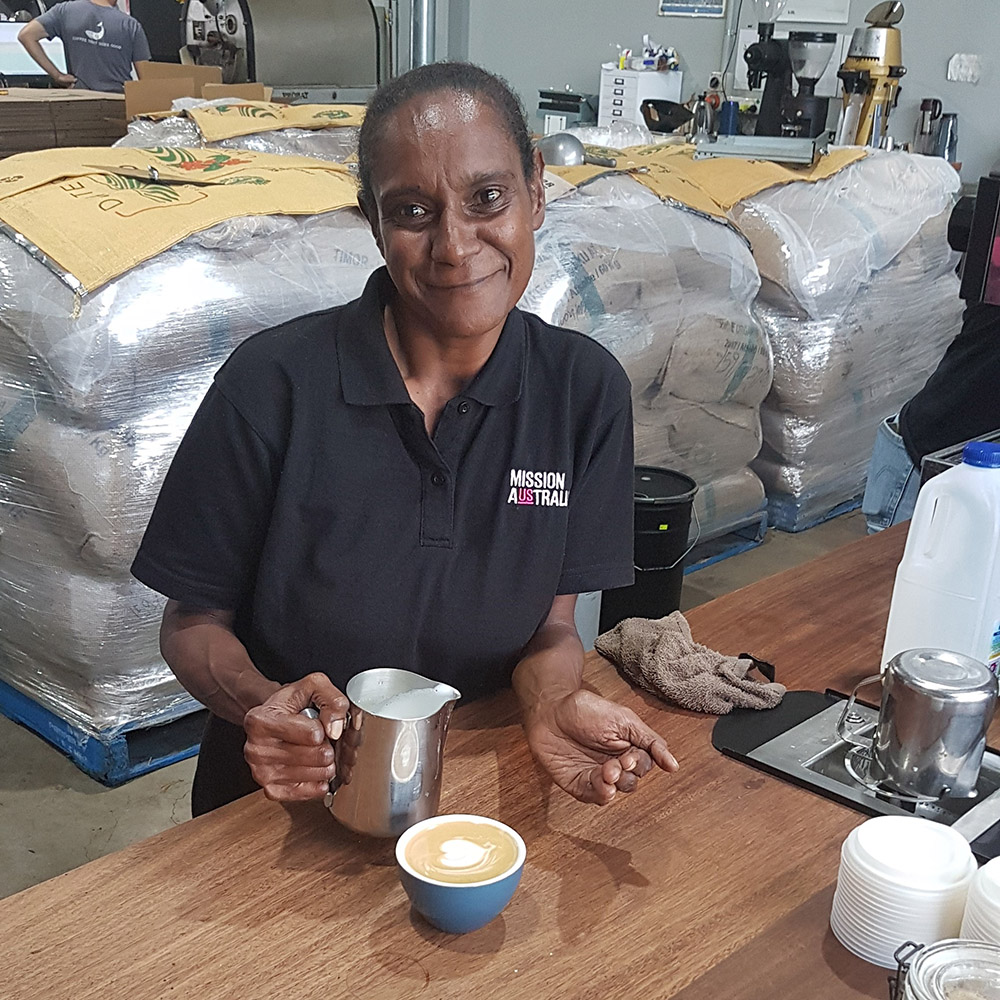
x=422 y=478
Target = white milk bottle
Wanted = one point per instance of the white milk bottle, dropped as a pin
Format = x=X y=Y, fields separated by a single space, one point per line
x=947 y=590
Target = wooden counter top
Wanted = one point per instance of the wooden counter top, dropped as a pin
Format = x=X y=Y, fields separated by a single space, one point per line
x=712 y=883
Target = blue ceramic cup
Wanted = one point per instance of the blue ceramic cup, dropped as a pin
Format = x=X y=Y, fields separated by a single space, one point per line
x=459 y=906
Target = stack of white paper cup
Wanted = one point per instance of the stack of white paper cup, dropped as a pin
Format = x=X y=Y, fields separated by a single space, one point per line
x=982 y=909
x=901 y=879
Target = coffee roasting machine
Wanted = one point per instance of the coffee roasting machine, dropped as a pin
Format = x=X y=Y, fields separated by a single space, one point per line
x=308 y=51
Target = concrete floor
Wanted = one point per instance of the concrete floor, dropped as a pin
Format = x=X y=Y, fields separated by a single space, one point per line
x=55 y=818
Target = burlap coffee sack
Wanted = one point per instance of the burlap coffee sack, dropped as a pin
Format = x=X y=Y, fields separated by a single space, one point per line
x=709 y=186
x=90 y=491
x=576 y=283
x=86 y=648
x=823 y=242
x=715 y=359
x=335 y=144
x=890 y=338
x=137 y=339
x=726 y=502
x=709 y=439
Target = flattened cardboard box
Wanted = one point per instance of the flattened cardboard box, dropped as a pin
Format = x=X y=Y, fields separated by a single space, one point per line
x=98 y=212
x=32 y=119
x=710 y=186
x=227 y=121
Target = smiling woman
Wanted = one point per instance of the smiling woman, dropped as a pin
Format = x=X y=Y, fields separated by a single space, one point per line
x=423 y=478
x=450 y=185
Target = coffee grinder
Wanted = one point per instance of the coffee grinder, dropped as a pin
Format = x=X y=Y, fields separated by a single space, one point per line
x=804 y=114
x=871 y=75
x=767 y=60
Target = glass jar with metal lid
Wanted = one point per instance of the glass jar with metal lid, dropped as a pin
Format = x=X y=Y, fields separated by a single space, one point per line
x=955 y=969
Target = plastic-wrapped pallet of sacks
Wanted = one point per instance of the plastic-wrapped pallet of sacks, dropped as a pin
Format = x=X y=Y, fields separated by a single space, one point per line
x=335 y=144
x=94 y=398
x=669 y=293
x=859 y=300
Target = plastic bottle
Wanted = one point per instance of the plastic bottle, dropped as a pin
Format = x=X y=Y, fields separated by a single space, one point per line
x=947 y=590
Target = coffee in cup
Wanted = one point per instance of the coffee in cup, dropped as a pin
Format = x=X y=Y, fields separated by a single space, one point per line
x=461 y=850
x=460 y=870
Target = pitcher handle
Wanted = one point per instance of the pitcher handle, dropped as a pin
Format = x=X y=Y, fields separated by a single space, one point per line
x=850 y=735
x=311 y=713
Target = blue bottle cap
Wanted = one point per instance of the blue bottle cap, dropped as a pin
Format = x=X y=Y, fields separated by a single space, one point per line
x=985 y=454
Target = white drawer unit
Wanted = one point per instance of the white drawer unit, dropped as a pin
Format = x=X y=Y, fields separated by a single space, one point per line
x=623 y=90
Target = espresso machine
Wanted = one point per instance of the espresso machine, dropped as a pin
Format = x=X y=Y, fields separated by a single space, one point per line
x=871 y=75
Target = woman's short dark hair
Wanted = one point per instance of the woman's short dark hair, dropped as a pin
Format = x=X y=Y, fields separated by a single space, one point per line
x=460 y=77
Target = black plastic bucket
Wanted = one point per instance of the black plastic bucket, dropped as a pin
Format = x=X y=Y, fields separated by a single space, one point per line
x=663 y=501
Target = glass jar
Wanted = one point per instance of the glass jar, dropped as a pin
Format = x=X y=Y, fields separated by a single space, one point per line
x=955 y=969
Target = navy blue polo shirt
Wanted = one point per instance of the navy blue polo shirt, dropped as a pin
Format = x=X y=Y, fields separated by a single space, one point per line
x=308 y=498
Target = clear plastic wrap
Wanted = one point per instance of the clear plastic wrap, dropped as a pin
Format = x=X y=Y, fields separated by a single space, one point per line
x=176 y=317
x=724 y=502
x=817 y=245
x=669 y=293
x=336 y=144
x=96 y=393
x=859 y=301
x=836 y=379
x=94 y=398
x=616 y=135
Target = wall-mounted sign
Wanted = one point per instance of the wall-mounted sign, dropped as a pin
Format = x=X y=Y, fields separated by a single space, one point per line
x=819 y=11
x=693 y=8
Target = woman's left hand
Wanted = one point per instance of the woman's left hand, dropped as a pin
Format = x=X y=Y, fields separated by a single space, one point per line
x=594 y=748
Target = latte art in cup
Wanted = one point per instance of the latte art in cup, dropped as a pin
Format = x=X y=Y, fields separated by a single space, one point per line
x=461 y=851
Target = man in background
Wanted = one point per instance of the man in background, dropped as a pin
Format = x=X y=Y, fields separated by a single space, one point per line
x=958 y=403
x=101 y=43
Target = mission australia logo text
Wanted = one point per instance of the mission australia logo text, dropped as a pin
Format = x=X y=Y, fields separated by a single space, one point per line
x=538 y=489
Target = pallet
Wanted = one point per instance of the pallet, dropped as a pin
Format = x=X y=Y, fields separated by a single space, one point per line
x=112 y=757
x=732 y=543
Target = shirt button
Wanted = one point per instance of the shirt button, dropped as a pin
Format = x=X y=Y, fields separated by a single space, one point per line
x=439 y=479
x=463 y=407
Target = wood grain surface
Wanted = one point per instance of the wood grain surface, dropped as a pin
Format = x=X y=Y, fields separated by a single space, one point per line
x=711 y=883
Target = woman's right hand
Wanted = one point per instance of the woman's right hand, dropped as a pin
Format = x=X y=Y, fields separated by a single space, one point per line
x=290 y=755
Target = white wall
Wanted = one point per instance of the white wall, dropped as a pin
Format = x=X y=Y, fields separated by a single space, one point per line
x=540 y=44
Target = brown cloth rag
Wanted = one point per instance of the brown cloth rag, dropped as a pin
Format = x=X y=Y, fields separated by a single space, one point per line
x=660 y=656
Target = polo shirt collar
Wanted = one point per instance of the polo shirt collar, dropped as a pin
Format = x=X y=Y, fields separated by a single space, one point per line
x=368 y=372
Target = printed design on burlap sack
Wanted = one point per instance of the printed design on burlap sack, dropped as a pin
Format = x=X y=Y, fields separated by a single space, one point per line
x=333 y=115
x=161 y=193
x=184 y=159
x=245 y=111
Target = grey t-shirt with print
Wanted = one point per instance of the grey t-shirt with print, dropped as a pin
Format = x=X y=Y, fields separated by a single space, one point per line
x=101 y=42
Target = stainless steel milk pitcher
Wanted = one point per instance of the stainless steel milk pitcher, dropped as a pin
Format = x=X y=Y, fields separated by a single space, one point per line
x=931 y=731
x=391 y=753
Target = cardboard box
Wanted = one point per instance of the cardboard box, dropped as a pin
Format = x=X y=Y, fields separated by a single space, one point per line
x=33 y=119
x=243 y=91
x=175 y=71
x=159 y=84
x=144 y=96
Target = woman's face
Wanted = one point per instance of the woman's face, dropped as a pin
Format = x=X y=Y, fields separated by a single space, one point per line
x=454 y=217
